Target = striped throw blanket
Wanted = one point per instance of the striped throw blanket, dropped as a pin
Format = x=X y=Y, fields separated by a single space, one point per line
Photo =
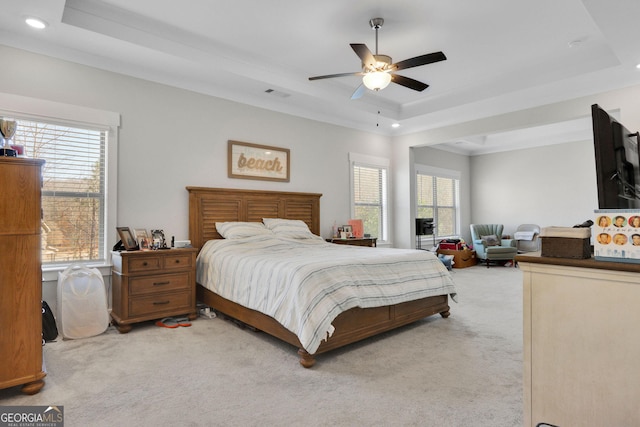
x=306 y=283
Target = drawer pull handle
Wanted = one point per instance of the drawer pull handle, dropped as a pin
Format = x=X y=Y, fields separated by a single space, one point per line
x=144 y=264
x=161 y=283
x=161 y=302
x=177 y=261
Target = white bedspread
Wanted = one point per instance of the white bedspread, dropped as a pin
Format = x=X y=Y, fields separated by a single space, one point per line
x=305 y=284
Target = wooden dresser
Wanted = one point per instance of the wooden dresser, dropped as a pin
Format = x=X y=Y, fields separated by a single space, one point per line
x=150 y=285
x=581 y=342
x=20 y=274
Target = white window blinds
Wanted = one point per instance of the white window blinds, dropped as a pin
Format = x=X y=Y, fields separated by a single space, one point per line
x=73 y=192
x=370 y=198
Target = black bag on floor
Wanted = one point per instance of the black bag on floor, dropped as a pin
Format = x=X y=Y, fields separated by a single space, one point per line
x=49 y=328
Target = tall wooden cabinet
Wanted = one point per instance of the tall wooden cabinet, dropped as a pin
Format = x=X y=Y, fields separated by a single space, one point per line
x=20 y=274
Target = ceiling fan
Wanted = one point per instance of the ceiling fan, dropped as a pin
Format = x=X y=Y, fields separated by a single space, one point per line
x=378 y=71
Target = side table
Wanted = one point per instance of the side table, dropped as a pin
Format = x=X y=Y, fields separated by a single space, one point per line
x=151 y=285
x=356 y=241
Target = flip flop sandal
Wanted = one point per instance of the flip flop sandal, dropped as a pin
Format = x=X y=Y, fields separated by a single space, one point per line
x=168 y=322
x=183 y=321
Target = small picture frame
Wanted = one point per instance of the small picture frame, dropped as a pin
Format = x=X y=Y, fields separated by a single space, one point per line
x=348 y=229
x=140 y=232
x=157 y=239
x=143 y=243
x=127 y=238
x=142 y=238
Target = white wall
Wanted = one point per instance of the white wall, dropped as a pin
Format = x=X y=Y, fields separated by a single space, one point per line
x=550 y=186
x=402 y=193
x=172 y=138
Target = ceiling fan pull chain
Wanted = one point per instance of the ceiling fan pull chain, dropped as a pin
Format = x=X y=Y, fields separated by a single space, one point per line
x=377 y=40
x=375 y=24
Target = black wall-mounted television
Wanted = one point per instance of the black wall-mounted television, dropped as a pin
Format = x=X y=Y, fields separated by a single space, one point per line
x=617 y=162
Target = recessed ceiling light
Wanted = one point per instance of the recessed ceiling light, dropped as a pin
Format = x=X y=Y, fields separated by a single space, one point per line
x=638 y=66
x=395 y=125
x=35 y=23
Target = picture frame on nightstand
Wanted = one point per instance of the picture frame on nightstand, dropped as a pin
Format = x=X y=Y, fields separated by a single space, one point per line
x=142 y=237
x=157 y=239
x=127 y=238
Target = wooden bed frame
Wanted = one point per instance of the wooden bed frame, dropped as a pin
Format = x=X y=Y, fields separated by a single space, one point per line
x=210 y=205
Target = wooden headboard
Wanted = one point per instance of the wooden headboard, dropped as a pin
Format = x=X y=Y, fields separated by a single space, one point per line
x=210 y=205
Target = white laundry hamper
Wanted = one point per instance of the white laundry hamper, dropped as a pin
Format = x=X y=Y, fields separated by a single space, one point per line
x=82 y=302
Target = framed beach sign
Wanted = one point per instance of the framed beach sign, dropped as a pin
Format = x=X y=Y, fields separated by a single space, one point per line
x=253 y=161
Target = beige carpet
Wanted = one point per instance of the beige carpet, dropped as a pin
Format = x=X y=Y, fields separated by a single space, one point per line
x=462 y=371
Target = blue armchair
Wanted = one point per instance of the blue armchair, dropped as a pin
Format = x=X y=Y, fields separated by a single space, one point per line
x=489 y=244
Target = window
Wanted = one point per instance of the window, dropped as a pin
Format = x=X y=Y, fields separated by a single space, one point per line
x=369 y=178
x=79 y=146
x=438 y=198
x=73 y=188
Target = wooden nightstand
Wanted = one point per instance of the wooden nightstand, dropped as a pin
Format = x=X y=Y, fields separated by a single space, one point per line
x=151 y=285
x=366 y=241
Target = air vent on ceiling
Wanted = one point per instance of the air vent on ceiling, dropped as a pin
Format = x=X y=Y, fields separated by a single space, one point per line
x=277 y=93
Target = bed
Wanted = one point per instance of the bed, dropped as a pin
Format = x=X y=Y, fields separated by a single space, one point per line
x=208 y=206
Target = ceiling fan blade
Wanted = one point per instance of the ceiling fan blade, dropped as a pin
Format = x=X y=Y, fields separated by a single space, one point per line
x=408 y=82
x=429 y=58
x=359 y=91
x=364 y=54
x=330 y=76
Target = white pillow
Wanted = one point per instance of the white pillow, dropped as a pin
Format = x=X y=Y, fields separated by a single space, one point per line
x=293 y=228
x=239 y=230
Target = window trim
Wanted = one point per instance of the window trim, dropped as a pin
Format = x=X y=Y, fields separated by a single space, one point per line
x=35 y=109
x=365 y=160
x=440 y=173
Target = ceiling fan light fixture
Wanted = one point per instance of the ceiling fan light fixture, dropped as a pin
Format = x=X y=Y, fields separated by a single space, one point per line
x=378 y=70
x=376 y=80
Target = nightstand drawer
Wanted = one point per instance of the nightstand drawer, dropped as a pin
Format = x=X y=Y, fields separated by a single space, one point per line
x=152 y=304
x=144 y=264
x=161 y=283
x=177 y=262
